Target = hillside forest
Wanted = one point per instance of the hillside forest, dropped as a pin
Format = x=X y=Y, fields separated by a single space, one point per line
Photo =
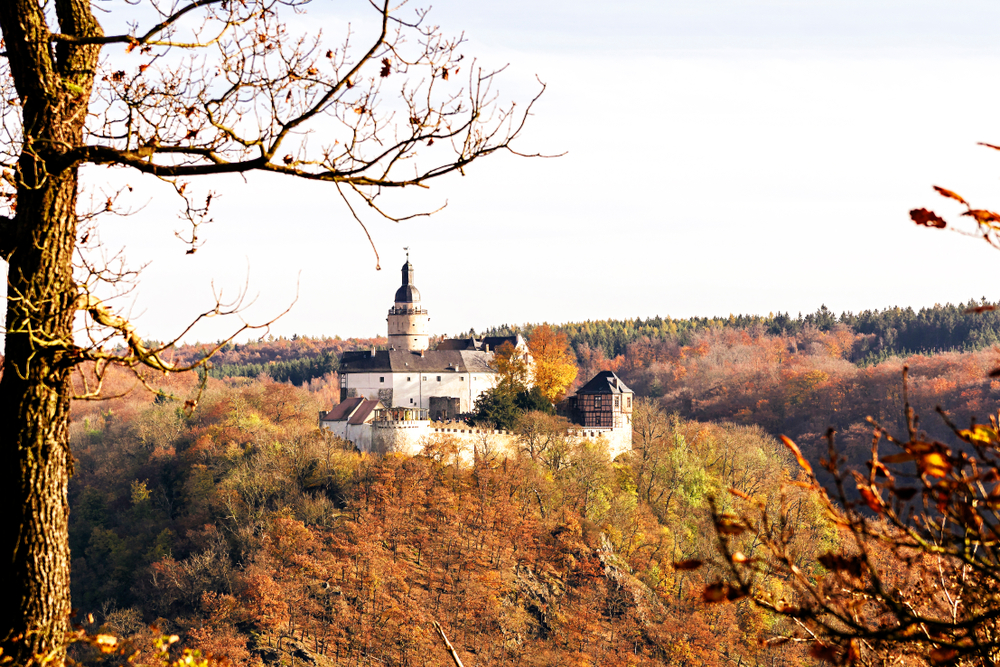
x=242 y=528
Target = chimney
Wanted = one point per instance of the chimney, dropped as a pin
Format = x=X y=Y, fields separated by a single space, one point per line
x=487 y=346
x=373 y=350
x=421 y=354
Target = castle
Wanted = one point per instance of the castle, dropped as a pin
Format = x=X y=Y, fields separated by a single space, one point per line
x=445 y=381
x=395 y=399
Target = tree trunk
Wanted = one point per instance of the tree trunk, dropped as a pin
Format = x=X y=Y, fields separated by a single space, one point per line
x=34 y=424
x=54 y=87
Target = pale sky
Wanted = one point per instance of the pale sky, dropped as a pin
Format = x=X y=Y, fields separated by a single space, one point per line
x=722 y=157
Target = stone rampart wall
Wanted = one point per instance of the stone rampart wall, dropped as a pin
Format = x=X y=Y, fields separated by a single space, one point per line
x=411 y=437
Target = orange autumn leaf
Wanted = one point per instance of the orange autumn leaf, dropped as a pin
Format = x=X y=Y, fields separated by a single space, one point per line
x=927 y=218
x=950 y=195
x=729 y=525
x=739 y=494
x=692 y=564
x=980 y=433
x=721 y=591
x=798 y=454
x=825 y=652
x=942 y=654
x=715 y=592
x=107 y=643
x=934 y=464
x=982 y=216
x=870 y=499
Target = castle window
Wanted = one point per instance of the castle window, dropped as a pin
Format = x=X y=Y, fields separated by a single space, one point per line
x=425 y=378
x=439 y=378
x=381 y=379
x=597 y=402
x=461 y=379
x=629 y=401
x=617 y=402
x=411 y=401
x=407 y=378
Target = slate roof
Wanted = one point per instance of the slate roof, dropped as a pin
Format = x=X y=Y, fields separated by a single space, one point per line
x=494 y=343
x=408 y=292
x=403 y=361
x=458 y=344
x=353 y=410
x=605 y=382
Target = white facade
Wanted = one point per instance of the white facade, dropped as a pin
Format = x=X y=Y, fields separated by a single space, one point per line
x=414 y=389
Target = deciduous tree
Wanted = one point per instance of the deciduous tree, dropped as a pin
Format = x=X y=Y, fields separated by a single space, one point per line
x=191 y=88
x=917 y=579
x=513 y=372
x=553 y=362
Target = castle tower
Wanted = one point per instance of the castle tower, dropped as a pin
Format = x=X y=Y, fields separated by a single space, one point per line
x=408 y=328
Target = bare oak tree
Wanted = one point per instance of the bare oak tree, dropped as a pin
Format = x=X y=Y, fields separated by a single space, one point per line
x=190 y=88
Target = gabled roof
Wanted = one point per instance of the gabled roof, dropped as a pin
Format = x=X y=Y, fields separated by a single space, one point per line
x=342 y=410
x=352 y=410
x=364 y=411
x=457 y=344
x=605 y=382
x=407 y=361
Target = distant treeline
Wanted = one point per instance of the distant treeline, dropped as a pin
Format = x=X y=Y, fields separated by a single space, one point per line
x=296 y=371
x=892 y=332
x=298 y=359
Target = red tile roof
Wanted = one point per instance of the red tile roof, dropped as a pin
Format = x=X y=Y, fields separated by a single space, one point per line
x=342 y=410
x=363 y=412
x=352 y=410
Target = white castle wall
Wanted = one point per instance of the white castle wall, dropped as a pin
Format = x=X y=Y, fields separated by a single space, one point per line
x=397 y=436
x=412 y=437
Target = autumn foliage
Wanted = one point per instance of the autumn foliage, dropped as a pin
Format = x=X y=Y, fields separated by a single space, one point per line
x=247 y=532
x=554 y=364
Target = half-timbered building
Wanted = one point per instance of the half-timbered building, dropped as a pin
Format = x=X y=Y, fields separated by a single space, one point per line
x=604 y=402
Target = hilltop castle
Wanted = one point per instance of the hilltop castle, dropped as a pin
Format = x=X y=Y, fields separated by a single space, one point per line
x=445 y=382
x=391 y=399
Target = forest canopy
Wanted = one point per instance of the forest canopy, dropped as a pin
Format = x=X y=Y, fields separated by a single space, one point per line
x=889 y=332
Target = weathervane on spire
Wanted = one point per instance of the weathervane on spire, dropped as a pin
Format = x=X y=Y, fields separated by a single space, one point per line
x=407 y=249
